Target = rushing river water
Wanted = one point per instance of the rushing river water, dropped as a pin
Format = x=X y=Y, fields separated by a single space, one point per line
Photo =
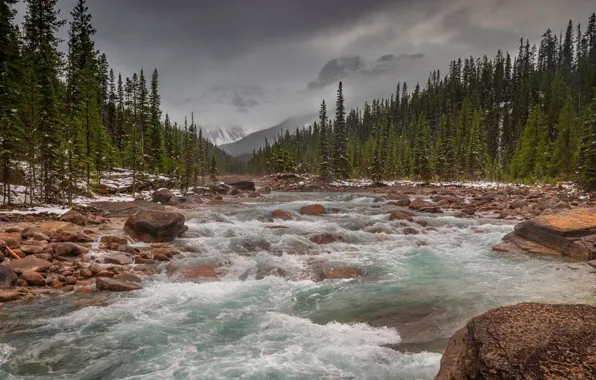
x=391 y=323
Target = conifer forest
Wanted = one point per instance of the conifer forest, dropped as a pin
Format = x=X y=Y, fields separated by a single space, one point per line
x=523 y=117
x=65 y=118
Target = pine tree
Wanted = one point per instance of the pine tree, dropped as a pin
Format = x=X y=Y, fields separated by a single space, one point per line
x=157 y=147
x=477 y=155
x=213 y=168
x=567 y=142
x=340 y=161
x=422 y=150
x=588 y=165
x=326 y=165
x=11 y=130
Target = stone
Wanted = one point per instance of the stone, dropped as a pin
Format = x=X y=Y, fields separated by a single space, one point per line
x=421 y=205
x=8 y=278
x=468 y=210
x=143 y=260
x=401 y=215
x=282 y=214
x=31 y=249
x=326 y=238
x=82 y=291
x=422 y=222
x=118 y=259
x=313 y=210
x=271 y=271
x=264 y=190
x=162 y=196
x=12 y=239
x=244 y=185
x=524 y=341
x=520 y=203
x=9 y=295
x=71 y=280
x=40 y=236
x=113 y=285
x=331 y=272
x=154 y=226
x=127 y=276
x=208 y=271
x=105 y=273
x=111 y=239
x=592 y=263
x=161 y=257
x=29 y=263
x=33 y=278
x=410 y=231
x=67 y=249
x=95 y=268
x=166 y=251
x=66 y=236
x=74 y=217
x=561 y=205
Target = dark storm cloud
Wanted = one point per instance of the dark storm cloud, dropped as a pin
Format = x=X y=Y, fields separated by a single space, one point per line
x=247 y=62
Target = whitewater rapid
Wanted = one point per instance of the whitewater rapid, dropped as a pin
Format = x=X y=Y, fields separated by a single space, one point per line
x=391 y=323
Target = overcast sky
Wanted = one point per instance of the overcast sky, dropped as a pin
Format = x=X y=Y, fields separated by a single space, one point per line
x=270 y=49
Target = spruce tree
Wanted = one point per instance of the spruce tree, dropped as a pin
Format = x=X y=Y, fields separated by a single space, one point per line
x=213 y=168
x=588 y=164
x=566 y=144
x=326 y=164
x=157 y=147
x=340 y=161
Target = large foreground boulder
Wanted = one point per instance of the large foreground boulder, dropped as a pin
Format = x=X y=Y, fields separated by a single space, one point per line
x=155 y=226
x=525 y=341
x=570 y=233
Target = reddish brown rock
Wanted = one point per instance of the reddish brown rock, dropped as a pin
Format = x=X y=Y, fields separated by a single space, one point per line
x=282 y=214
x=401 y=215
x=207 y=271
x=117 y=259
x=33 y=278
x=9 y=295
x=29 y=263
x=113 y=285
x=525 y=341
x=31 y=249
x=312 y=210
x=12 y=239
x=127 y=276
x=143 y=260
x=82 y=291
x=66 y=236
x=326 y=238
x=155 y=226
x=162 y=196
x=161 y=257
x=332 y=272
x=8 y=278
x=67 y=249
x=74 y=217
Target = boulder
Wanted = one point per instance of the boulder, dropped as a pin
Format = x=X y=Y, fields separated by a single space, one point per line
x=67 y=249
x=9 y=295
x=401 y=215
x=33 y=278
x=8 y=278
x=31 y=249
x=203 y=271
x=110 y=239
x=421 y=205
x=282 y=214
x=12 y=239
x=326 y=238
x=68 y=236
x=29 y=263
x=568 y=232
x=74 y=217
x=127 y=276
x=336 y=272
x=312 y=210
x=525 y=341
x=162 y=196
x=118 y=259
x=113 y=285
x=154 y=226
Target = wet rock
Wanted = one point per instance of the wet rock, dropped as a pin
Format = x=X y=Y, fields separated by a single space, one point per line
x=29 y=263
x=161 y=257
x=33 y=278
x=520 y=203
x=117 y=259
x=8 y=278
x=333 y=272
x=168 y=252
x=401 y=215
x=421 y=205
x=66 y=249
x=83 y=291
x=326 y=238
x=95 y=268
x=31 y=249
x=67 y=236
x=378 y=229
x=468 y=210
x=592 y=263
x=313 y=210
x=74 y=217
x=127 y=276
x=270 y=271
x=113 y=285
x=70 y=280
x=9 y=295
x=282 y=214
x=105 y=273
x=569 y=232
x=244 y=185
x=525 y=341
x=264 y=190
x=162 y=196
x=253 y=195
x=143 y=260
x=410 y=231
x=396 y=199
x=422 y=222
x=207 y=271
x=276 y=227
x=154 y=226
x=561 y=205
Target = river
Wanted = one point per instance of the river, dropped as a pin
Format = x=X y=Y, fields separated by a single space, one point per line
x=391 y=323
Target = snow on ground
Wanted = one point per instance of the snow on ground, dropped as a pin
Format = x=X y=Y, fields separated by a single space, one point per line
x=38 y=210
x=470 y=185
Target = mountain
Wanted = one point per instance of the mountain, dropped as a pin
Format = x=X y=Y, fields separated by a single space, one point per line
x=256 y=140
x=240 y=97
x=341 y=68
x=219 y=135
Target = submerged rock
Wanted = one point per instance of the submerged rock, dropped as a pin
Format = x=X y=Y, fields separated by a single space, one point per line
x=155 y=226
x=525 y=341
x=326 y=238
x=313 y=210
x=570 y=232
x=282 y=214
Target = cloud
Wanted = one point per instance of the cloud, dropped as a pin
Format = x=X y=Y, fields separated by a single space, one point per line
x=279 y=46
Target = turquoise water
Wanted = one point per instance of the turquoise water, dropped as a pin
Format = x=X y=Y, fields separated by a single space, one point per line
x=418 y=289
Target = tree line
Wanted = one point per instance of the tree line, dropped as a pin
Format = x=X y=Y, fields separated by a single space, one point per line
x=524 y=119
x=67 y=117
